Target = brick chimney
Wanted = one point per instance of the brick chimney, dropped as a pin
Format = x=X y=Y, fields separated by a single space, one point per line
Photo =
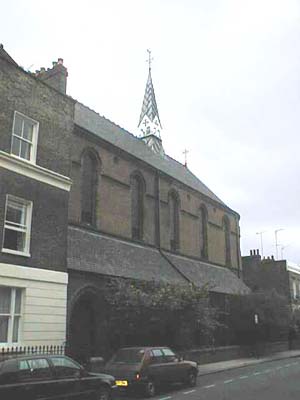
x=55 y=77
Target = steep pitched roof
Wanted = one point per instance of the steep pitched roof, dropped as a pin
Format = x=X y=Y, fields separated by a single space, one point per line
x=149 y=107
x=119 y=137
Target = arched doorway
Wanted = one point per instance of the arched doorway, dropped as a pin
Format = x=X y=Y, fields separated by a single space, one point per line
x=86 y=333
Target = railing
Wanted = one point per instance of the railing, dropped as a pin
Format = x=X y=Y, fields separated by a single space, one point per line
x=26 y=350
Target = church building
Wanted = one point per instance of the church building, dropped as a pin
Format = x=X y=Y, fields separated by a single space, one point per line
x=118 y=205
x=136 y=213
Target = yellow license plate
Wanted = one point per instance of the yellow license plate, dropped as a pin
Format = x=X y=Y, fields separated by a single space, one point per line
x=122 y=383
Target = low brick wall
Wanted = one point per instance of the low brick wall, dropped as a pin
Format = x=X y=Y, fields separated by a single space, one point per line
x=295 y=344
x=275 y=347
x=211 y=355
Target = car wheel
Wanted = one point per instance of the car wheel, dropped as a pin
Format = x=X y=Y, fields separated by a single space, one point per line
x=150 y=388
x=191 y=379
x=103 y=394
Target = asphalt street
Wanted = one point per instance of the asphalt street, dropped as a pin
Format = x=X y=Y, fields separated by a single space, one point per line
x=274 y=380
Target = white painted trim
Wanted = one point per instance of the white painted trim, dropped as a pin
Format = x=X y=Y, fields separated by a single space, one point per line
x=15 y=252
x=26 y=168
x=33 y=274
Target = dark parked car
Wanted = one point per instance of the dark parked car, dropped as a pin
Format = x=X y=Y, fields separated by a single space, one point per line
x=148 y=367
x=50 y=377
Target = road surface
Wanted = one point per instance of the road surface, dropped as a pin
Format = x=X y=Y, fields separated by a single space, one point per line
x=274 y=380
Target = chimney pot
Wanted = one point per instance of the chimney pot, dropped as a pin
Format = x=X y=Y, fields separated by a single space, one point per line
x=250 y=252
x=257 y=252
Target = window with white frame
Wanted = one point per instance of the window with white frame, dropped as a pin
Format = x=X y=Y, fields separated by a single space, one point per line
x=17 y=225
x=10 y=314
x=294 y=289
x=24 y=137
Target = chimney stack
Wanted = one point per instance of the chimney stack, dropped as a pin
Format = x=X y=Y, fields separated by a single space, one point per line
x=55 y=77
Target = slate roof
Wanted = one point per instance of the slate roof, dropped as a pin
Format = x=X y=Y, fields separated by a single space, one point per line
x=220 y=279
x=94 y=252
x=112 y=133
x=97 y=253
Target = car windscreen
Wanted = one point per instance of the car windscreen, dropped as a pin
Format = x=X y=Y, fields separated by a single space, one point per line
x=128 y=356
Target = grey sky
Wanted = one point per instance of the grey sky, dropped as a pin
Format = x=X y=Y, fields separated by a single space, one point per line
x=227 y=82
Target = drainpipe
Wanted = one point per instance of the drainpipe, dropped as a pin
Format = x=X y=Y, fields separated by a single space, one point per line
x=157 y=210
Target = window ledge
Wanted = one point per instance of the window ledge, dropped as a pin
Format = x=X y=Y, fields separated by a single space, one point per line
x=16 y=252
x=31 y=162
x=33 y=171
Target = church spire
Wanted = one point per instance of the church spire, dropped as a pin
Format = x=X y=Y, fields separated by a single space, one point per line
x=149 y=123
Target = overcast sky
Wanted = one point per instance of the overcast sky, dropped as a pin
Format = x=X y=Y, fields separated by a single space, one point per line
x=227 y=79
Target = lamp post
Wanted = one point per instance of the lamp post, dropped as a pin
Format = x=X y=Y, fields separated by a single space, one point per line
x=261 y=241
x=276 y=242
x=256 y=335
x=283 y=248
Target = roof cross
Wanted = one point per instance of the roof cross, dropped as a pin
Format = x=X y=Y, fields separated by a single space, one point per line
x=185 y=152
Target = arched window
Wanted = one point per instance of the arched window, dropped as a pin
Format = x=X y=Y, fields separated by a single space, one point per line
x=226 y=227
x=137 y=206
x=89 y=180
x=203 y=232
x=174 y=220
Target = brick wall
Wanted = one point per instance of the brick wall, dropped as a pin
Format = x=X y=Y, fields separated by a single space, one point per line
x=113 y=202
x=19 y=91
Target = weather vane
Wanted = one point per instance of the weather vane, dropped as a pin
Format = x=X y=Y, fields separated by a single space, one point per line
x=150 y=59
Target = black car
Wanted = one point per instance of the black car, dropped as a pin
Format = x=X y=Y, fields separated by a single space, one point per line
x=148 y=367
x=51 y=377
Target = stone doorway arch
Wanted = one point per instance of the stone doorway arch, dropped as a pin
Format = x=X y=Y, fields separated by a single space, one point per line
x=86 y=333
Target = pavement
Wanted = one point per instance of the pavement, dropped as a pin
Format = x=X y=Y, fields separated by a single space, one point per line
x=211 y=368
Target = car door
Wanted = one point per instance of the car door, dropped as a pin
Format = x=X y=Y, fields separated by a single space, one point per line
x=11 y=384
x=176 y=368
x=157 y=368
x=39 y=382
x=69 y=378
